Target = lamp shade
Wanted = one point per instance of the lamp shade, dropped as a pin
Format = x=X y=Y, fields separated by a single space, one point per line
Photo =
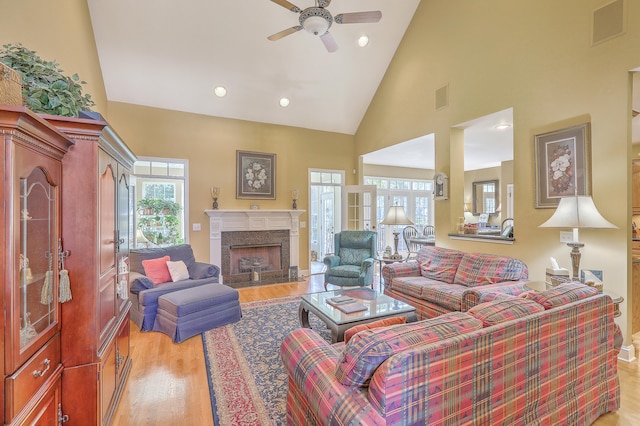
x=577 y=212
x=396 y=216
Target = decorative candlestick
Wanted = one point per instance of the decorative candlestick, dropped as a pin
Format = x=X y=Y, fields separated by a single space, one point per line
x=295 y=199
x=215 y=191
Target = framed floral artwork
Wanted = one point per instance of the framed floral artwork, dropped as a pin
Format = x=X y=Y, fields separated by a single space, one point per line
x=255 y=175
x=563 y=164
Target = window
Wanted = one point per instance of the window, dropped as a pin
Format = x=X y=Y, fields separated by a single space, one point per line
x=161 y=201
x=416 y=196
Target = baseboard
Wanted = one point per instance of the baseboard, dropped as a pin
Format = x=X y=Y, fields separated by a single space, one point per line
x=627 y=353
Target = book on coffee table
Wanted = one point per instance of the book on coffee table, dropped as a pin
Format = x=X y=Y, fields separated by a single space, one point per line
x=350 y=308
x=339 y=300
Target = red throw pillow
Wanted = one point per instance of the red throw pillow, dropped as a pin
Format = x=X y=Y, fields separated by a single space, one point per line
x=376 y=324
x=157 y=270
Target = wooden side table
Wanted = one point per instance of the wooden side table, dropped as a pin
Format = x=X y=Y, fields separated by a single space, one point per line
x=617 y=300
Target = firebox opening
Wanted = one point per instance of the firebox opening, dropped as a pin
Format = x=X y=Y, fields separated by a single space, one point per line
x=267 y=256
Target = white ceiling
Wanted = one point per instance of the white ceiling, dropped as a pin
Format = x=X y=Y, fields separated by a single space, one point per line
x=170 y=55
x=484 y=146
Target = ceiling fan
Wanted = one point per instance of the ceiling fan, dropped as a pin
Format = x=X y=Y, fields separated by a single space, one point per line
x=317 y=19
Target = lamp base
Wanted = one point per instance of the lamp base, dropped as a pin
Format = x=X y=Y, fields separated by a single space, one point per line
x=575 y=259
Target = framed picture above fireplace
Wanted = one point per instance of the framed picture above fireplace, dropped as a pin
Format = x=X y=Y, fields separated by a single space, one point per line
x=255 y=175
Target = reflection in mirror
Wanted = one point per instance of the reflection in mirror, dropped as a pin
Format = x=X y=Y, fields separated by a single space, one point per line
x=485 y=197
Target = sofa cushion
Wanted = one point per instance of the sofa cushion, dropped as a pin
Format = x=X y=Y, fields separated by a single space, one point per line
x=157 y=269
x=370 y=348
x=178 y=270
x=479 y=269
x=448 y=296
x=439 y=263
x=385 y=322
x=563 y=294
x=353 y=256
x=498 y=311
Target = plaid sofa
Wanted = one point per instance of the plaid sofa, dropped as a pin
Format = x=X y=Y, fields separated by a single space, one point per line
x=443 y=280
x=508 y=361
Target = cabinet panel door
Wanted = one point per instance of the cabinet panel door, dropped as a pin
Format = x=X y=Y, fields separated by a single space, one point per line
x=107 y=379
x=32 y=302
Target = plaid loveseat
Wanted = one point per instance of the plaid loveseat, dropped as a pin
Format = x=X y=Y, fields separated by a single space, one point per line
x=545 y=361
x=443 y=280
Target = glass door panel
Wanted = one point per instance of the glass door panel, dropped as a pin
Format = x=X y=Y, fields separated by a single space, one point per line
x=38 y=266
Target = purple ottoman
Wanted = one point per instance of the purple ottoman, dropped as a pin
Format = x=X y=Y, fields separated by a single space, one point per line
x=185 y=313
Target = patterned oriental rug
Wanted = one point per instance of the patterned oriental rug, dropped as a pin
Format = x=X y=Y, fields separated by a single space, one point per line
x=247 y=381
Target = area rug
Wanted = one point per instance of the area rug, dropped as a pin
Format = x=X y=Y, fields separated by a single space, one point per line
x=247 y=380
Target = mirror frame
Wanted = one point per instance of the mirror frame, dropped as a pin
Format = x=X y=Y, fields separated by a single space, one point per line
x=474 y=185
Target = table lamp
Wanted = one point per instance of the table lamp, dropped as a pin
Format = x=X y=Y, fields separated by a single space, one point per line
x=577 y=212
x=396 y=216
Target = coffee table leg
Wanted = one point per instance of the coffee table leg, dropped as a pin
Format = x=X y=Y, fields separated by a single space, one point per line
x=303 y=314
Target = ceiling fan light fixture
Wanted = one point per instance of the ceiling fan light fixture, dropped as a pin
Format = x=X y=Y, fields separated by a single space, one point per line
x=363 y=40
x=316 y=20
x=316 y=25
x=284 y=102
x=220 y=91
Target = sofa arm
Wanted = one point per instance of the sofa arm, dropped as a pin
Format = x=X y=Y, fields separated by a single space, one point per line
x=474 y=295
x=310 y=362
x=199 y=270
x=400 y=269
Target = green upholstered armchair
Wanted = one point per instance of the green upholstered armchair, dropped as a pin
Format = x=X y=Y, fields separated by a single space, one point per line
x=352 y=263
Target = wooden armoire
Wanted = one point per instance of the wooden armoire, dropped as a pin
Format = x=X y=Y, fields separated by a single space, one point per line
x=30 y=229
x=97 y=232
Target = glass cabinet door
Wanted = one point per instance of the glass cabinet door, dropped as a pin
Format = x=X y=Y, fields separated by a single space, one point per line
x=38 y=265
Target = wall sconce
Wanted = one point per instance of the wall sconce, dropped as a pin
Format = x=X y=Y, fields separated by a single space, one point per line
x=215 y=192
x=294 y=194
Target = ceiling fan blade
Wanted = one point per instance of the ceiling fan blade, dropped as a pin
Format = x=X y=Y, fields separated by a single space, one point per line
x=290 y=6
x=329 y=42
x=358 y=17
x=284 y=33
x=634 y=113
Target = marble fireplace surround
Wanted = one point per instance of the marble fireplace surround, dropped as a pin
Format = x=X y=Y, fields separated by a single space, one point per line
x=229 y=221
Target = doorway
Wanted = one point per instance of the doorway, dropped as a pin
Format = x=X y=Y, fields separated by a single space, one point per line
x=325 y=192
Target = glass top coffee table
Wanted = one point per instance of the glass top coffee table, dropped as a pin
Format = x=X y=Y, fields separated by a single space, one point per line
x=376 y=306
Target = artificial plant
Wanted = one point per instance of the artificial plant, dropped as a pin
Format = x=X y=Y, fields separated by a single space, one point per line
x=45 y=89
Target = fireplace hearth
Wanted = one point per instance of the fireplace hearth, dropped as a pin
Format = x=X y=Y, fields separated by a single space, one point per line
x=242 y=250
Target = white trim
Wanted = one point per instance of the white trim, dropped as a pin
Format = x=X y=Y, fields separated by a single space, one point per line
x=627 y=353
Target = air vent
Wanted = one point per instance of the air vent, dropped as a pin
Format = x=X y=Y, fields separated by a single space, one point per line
x=608 y=22
x=442 y=97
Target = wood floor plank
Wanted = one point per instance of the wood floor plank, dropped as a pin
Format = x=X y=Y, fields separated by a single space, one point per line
x=168 y=381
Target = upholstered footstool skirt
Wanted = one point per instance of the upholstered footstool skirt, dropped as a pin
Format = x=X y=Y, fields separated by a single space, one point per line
x=185 y=313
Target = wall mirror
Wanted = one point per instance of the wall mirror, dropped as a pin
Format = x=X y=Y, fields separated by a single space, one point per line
x=485 y=197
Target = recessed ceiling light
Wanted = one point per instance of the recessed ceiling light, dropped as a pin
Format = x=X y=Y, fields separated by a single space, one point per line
x=363 y=41
x=284 y=102
x=220 y=91
x=503 y=126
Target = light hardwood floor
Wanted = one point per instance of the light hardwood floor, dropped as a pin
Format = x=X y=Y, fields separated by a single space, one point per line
x=168 y=382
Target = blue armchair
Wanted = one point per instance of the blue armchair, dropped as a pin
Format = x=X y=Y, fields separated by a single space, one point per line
x=352 y=263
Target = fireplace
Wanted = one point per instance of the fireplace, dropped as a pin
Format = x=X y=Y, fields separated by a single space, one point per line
x=254 y=234
x=242 y=250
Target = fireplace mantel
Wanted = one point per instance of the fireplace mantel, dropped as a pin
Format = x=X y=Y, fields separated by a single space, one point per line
x=253 y=220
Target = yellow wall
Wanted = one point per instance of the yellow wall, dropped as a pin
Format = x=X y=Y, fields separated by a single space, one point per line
x=58 y=31
x=210 y=144
x=534 y=57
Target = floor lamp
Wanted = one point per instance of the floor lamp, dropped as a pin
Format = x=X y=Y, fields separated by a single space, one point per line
x=577 y=212
x=396 y=216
